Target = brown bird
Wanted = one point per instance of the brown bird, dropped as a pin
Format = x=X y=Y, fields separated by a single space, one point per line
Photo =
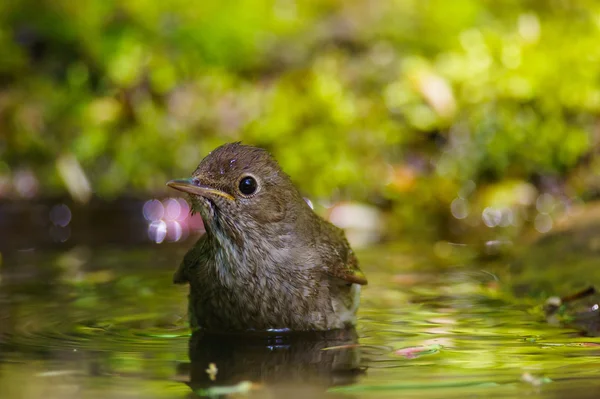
x=267 y=260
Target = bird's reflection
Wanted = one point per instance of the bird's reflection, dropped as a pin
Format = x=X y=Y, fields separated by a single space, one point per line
x=299 y=363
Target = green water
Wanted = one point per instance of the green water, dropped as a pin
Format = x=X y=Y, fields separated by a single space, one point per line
x=106 y=322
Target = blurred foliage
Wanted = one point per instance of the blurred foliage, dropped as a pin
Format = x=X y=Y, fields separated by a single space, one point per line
x=403 y=102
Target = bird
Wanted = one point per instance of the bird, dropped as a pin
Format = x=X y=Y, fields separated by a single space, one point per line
x=267 y=261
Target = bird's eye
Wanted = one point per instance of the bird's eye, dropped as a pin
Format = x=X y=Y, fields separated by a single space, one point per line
x=248 y=185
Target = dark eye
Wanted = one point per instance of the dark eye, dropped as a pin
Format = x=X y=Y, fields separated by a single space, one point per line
x=248 y=185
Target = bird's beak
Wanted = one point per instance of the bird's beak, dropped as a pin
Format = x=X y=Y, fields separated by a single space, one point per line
x=191 y=187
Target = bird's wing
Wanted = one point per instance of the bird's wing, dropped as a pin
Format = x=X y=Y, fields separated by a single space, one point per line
x=344 y=265
x=190 y=261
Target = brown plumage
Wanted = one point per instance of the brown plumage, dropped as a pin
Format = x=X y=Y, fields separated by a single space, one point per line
x=267 y=261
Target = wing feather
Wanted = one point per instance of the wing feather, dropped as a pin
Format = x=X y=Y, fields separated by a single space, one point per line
x=343 y=263
x=190 y=261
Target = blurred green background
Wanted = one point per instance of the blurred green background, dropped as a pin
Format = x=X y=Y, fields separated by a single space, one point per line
x=445 y=133
x=483 y=113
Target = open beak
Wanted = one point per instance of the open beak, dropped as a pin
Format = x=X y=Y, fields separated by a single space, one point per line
x=190 y=187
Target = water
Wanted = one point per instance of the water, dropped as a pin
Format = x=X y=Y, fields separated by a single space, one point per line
x=99 y=318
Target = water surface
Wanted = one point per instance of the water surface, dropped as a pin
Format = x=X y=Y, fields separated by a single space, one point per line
x=97 y=319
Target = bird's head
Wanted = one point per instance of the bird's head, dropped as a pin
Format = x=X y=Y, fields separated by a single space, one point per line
x=238 y=189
